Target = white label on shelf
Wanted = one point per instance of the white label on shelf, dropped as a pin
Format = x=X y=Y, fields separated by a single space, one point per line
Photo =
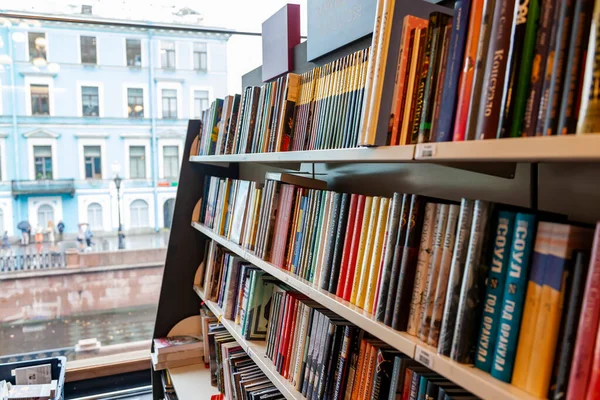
x=428 y=150
x=424 y=357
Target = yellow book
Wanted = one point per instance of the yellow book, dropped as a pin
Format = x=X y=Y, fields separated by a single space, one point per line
x=375 y=264
x=361 y=248
x=419 y=37
x=366 y=261
x=565 y=239
x=254 y=222
x=532 y=303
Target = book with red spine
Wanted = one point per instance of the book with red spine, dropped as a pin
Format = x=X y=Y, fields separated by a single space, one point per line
x=347 y=242
x=287 y=302
x=289 y=345
x=360 y=210
x=585 y=367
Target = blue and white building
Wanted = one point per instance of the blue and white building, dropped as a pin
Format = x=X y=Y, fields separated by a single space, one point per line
x=80 y=102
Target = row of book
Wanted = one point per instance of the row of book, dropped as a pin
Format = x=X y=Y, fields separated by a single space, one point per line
x=320 y=354
x=495 y=69
x=421 y=265
x=320 y=109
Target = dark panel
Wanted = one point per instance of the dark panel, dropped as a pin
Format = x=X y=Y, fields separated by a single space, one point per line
x=280 y=34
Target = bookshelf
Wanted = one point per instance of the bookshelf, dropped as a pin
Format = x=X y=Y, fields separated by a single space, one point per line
x=187 y=380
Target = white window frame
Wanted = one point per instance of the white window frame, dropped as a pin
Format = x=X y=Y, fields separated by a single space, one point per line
x=100 y=86
x=79 y=49
x=104 y=199
x=87 y=212
x=160 y=42
x=45 y=32
x=161 y=151
x=40 y=80
x=128 y=198
x=192 y=90
x=31 y=159
x=132 y=85
x=137 y=142
x=169 y=85
x=34 y=203
x=207 y=56
x=81 y=143
x=142 y=51
x=3 y=171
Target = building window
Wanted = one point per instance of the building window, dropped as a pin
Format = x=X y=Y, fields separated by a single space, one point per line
x=1 y=221
x=200 y=102
x=45 y=214
x=42 y=156
x=200 y=57
x=135 y=103
x=90 y=104
x=40 y=99
x=167 y=54
x=169 y=103
x=94 y=216
x=133 y=49
x=37 y=47
x=139 y=214
x=171 y=162
x=88 y=50
x=93 y=162
x=137 y=162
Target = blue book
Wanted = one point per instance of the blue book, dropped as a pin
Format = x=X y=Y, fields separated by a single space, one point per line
x=514 y=297
x=494 y=290
x=460 y=27
x=422 y=388
x=299 y=234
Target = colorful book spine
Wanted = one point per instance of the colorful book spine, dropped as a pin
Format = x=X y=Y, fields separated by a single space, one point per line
x=368 y=251
x=588 y=108
x=486 y=342
x=354 y=246
x=514 y=296
x=375 y=261
x=367 y=219
x=460 y=26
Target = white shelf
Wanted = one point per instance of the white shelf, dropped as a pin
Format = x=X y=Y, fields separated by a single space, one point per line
x=256 y=350
x=190 y=380
x=478 y=382
x=354 y=155
x=570 y=148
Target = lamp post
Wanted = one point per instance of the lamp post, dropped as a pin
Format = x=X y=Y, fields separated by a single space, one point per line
x=116 y=167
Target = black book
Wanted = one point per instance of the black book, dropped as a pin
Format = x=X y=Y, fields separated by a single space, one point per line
x=328 y=335
x=343 y=364
x=340 y=237
x=575 y=288
x=388 y=313
x=252 y=121
x=331 y=239
x=382 y=379
x=308 y=360
x=408 y=264
x=327 y=383
x=451 y=392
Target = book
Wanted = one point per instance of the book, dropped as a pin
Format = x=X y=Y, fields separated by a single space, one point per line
x=354 y=248
x=514 y=291
x=418 y=36
x=588 y=110
x=174 y=344
x=368 y=220
x=363 y=282
x=346 y=249
x=496 y=278
x=375 y=261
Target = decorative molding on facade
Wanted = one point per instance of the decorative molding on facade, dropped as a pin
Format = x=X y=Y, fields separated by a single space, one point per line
x=169 y=79
x=39 y=73
x=92 y=135
x=131 y=135
x=171 y=134
x=41 y=133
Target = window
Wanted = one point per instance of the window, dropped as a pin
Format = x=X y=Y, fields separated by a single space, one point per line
x=86 y=9
x=37 y=47
x=171 y=161
x=137 y=162
x=88 y=50
x=167 y=54
x=89 y=101
x=93 y=162
x=139 y=214
x=40 y=100
x=169 y=103
x=42 y=156
x=45 y=214
x=133 y=49
x=200 y=102
x=200 y=57
x=1 y=222
x=135 y=103
x=94 y=214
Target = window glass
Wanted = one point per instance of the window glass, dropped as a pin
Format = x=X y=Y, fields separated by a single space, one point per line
x=169 y=103
x=42 y=162
x=167 y=54
x=135 y=103
x=89 y=101
x=95 y=218
x=93 y=162
x=37 y=47
x=171 y=161
x=137 y=162
x=139 y=214
x=200 y=102
x=133 y=48
x=200 y=57
x=88 y=50
x=40 y=99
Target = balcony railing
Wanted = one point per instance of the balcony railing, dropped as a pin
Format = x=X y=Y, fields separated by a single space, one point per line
x=50 y=186
x=29 y=262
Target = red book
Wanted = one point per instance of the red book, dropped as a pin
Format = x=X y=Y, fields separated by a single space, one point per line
x=360 y=210
x=585 y=367
x=285 y=333
x=407 y=382
x=465 y=89
x=347 y=242
x=290 y=344
x=281 y=228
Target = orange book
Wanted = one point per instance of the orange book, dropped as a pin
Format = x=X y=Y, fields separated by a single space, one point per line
x=409 y=23
x=370 y=373
x=465 y=88
x=358 y=376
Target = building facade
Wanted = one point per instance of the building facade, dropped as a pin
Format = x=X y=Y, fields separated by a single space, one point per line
x=81 y=103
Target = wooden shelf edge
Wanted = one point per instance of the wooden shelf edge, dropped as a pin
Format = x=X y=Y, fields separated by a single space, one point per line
x=256 y=351
x=476 y=381
x=354 y=155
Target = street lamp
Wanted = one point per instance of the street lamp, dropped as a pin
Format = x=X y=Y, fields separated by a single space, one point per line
x=116 y=168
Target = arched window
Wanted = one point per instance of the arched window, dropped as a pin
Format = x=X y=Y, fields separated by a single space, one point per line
x=45 y=214
x=139 y=214
x=94 y=216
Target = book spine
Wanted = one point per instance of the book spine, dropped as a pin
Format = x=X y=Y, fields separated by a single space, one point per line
x=494 y=290
x=366 y=262
x=395 y=383
x=588 y=103
x=367 y=217
x=375 y=261
x=514 y=297
x=343 y=363
x=355 y=368
x=286 y=123
x=494 y=81
x=417 y=43
x=331 y=241
x=460 y=26
x=340 y=239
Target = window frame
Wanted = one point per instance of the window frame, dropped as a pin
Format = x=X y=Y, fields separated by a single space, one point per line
x=141 y=97
x=172 y=101
x=141 y=52
x=160 y=54
x=43 y=163
x=130 y=210
x=193 y=89
x=100 y=86
x=31 y=159
x=90 y=96
x=31 y=102
x=96 y=52
x=136 y=142
x=205 y=52
x=92 y=162
x=101 y=208
x=39 y=80
x=169 y=85
x=27 y=46
x=82 y=142
x=162 y=143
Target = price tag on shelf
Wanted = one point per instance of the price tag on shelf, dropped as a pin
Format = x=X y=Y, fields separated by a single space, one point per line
x=428 y=150
x=424 y=357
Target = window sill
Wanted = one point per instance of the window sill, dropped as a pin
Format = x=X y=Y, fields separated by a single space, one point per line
x=113 y=364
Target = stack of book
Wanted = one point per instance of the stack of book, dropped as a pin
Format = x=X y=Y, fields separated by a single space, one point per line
x=177 y=351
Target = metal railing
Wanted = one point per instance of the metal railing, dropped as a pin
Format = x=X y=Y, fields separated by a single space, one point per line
x=20 y=187
x=32 y=261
